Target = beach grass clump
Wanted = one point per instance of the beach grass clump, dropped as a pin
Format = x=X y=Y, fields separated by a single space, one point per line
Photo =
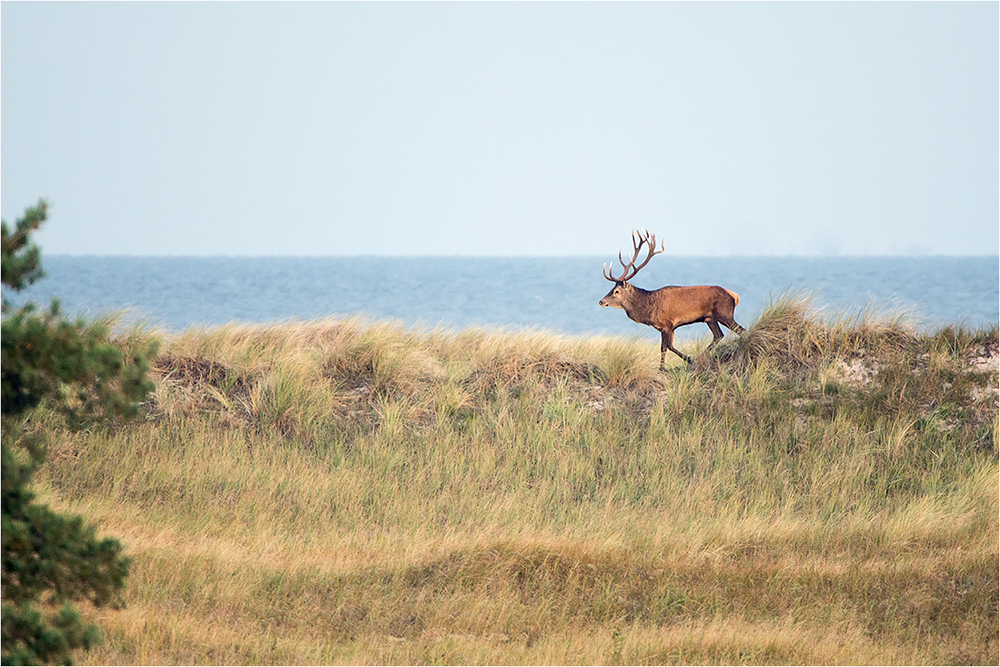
x=343 y=491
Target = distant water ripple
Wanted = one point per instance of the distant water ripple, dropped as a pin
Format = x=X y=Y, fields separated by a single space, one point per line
x=556 y=294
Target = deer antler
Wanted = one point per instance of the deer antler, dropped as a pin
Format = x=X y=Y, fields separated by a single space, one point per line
x=638 y=240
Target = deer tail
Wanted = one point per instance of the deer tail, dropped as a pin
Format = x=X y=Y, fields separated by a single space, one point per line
x=736 y=297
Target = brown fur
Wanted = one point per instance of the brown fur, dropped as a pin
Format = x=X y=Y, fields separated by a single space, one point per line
x=670 y=307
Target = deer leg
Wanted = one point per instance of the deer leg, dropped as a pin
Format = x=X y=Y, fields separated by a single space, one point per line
x=732 y=325
x=716 y=333
x=667 y=343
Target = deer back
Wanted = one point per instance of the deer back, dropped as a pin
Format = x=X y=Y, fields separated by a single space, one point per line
x=675 y=306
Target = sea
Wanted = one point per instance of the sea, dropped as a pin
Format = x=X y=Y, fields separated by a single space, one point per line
x=554 y=294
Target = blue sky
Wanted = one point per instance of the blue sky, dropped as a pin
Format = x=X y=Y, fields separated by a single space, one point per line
x=503 y=128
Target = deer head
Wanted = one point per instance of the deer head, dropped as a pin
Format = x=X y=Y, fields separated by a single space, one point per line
x=620 y=293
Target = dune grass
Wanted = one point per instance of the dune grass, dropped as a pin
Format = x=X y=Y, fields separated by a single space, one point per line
x=360 y=492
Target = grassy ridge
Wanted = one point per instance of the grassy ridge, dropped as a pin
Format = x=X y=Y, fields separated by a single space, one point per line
x=343 y=491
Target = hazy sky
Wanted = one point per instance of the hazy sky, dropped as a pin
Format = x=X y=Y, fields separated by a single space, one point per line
x=503 y=128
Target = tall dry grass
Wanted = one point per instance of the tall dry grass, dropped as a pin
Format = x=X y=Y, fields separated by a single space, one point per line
x=346 y=491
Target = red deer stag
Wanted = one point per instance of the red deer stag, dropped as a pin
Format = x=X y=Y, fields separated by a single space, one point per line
x=669 y=307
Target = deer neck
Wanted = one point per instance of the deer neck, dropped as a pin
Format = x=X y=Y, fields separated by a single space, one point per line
x=639 y=305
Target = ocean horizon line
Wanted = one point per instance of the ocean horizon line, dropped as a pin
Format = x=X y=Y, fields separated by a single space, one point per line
x=538 y=256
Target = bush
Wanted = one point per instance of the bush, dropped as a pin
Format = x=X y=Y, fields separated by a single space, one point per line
x=50 y=560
